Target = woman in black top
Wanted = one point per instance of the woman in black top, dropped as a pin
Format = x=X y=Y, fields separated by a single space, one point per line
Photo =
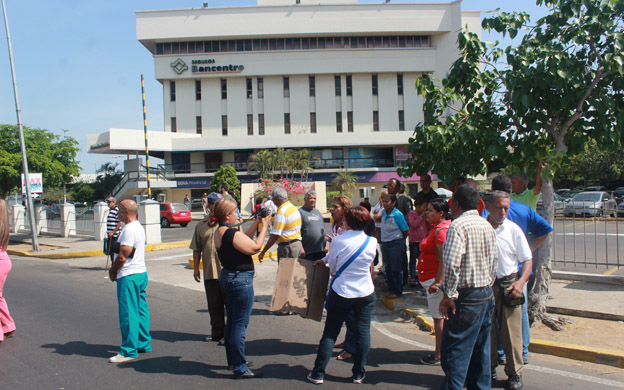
x=235 y=249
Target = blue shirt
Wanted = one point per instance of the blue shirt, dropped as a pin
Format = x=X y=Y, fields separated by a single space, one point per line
x=529 y=221
x=392 y=225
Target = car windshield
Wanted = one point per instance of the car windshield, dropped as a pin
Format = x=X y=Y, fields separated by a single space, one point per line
x=591 y=197
x=178 y=207
x=556 y=198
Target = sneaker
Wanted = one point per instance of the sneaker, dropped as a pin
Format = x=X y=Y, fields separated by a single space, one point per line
x=249 y=364
x=494 y=374
x=119 y=358
x=430 y=360
x=248 y=375
x=315 y=378
x=515 y=382
x=221 y=342
x=359 y=378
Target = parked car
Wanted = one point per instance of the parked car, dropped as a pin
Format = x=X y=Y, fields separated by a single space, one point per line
x=196 y=204
x=558 y=203
x=591 y=203
x=561 y=191
x=620 y=210
x=619 y=193
x=174 y=213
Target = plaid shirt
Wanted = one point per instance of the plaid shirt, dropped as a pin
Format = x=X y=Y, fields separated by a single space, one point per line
x=470 y=255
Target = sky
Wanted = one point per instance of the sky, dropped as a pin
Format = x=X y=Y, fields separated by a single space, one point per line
x=78 y=65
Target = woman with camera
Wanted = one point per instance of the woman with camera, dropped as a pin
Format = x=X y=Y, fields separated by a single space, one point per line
x=235 y=249
x=351 y=291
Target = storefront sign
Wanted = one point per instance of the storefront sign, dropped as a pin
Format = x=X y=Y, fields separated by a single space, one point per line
x=193 y=182
x=204 y=66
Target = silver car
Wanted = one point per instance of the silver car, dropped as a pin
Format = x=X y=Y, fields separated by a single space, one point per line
x=592 y=204
x=558 y=205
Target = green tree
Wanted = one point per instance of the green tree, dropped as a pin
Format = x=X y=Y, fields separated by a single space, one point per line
x=83 y=192
x=594 y=166
x=263 y=163
x=226 y=174
x=540 y=100
x=344 y=180
x=107 y=178
x=285 y=163
x=53 y=156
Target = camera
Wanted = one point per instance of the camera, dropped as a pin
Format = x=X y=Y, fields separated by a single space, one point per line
x=263 y=212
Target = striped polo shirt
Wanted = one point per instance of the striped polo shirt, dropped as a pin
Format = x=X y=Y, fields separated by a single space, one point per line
x=287 y=223
x=112 y=220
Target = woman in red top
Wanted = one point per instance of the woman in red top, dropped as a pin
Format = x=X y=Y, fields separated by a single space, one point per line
x=431 y=268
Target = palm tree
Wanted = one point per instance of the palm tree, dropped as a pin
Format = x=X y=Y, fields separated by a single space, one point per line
x=345 y=180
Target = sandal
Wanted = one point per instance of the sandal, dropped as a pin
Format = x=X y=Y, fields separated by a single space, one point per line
x=344 y=355
x=342 y=345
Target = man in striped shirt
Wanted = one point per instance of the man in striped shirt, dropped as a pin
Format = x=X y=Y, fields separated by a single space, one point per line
x=286 y=228
x=113 y=224
x=470 y=259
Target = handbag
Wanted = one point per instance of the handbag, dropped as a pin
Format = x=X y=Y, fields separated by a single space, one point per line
x=344 y=266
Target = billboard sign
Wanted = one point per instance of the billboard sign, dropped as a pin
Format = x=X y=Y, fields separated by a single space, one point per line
x=36 y=183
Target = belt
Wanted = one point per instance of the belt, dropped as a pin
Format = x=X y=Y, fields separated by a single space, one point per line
x=286 y=242
x=467 y=290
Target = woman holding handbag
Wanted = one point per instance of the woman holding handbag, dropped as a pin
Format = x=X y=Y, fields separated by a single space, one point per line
x=351 y=290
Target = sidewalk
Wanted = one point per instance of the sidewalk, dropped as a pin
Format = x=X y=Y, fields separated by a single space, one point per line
x=593 y=302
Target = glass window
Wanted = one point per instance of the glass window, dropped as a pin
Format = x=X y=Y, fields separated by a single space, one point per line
x=174 y=124
x=313 y=43
x=313 y=122
x=286 y=87
x=272 y=44
x=256 y=45
x=197 y=89
x=198 y=124
x=361 y=42
x=339 y=121
x=183 y=47
x=409 y=41
x=377 y=42
x=240 y=45
x=312 y=82
x=264 y=44
x=337 y=85
x=349 y=86
x=223 y=88
x=289 y=43
x=167 y=48
x=231 y=45
x=296 y=43
x=401 y=120
x=400 y=84
x=260 y=88
x=216 y=46
x=386 y=42
x=175 y=48
x=305 y=43
x=249 y=88
x=249 y=124
x=247 y=44
x=402 y=41
x=375 y=120
x=172 y=91
x=350 y=121
x=394 y=41
x=321 y=43
x=280 y=44
x=159 y=48
x=375 y=85
x=260 y=124
x=224 y=125
x=286 y=123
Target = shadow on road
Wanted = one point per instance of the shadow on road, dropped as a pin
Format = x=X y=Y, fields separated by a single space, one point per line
x=268 y=347
x=83 y=349
x=173 y=365
x=172 y=336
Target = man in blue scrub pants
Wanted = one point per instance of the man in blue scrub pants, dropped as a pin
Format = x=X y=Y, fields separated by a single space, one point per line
x=130 y=273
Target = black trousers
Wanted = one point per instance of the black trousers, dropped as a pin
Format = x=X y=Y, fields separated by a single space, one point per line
x=216 y=307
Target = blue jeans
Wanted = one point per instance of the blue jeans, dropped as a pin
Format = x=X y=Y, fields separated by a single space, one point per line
x=350 y=339
x=134 y=315
x=237 y=287
x=393 y=253
x=337 y=310
x=465 y=354
x=414 y=248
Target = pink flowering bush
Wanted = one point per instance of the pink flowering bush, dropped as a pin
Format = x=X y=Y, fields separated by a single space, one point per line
x=295 y=189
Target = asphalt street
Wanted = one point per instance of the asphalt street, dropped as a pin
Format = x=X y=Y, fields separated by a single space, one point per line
x=66 y=314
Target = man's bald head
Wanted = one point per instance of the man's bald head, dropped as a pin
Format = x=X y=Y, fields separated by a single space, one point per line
x=128 y=210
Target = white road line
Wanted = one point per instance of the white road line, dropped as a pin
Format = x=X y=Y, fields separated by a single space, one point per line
x=587 y=378
x=382 y=329
x=188 y=255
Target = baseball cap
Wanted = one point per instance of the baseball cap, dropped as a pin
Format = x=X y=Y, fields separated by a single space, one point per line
x=214 y=197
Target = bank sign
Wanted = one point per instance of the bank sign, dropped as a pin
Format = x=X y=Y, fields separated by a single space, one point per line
x=204 y=66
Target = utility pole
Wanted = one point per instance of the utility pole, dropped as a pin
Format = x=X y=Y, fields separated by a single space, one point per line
x=31 y=209
x=149 y=187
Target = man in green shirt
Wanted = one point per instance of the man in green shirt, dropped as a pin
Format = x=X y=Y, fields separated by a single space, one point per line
x=522 y=194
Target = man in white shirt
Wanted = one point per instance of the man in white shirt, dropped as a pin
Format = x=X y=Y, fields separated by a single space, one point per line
x=130 y=273
x=513 y=249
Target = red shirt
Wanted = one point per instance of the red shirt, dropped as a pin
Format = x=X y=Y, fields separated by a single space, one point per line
x=428 y=260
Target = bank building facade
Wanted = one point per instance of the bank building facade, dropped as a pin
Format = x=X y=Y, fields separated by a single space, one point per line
x=332 y=76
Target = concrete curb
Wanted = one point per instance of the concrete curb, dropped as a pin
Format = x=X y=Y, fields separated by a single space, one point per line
x=589 y=278
x=569 y=351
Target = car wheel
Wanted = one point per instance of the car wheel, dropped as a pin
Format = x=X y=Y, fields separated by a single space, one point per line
x=164 y=222
x=183 y=224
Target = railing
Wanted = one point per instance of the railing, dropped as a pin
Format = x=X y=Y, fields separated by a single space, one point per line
x=85 y=221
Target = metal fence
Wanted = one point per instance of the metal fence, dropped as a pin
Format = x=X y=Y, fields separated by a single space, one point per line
x=85 y=225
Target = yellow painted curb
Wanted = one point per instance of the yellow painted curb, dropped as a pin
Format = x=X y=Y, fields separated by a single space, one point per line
x=422 y=321
x=611 y=271
x=56 y=256
x=578 y=352
x=167 y=245
x=391 y=302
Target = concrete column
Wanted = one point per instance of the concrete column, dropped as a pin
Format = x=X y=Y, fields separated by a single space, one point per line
x=41 y=218
x=100 y=213
x=149 y=216
x=68 y=220
x=18 y=217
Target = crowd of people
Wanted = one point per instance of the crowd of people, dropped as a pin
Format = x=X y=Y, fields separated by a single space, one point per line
x=471 y=257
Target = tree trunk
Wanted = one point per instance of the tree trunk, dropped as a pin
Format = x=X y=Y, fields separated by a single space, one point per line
x=542 y=265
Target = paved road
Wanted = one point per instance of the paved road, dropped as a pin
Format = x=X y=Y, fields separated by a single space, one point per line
x=67 y=328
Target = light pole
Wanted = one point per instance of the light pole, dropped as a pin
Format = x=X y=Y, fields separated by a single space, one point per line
x=31 y=210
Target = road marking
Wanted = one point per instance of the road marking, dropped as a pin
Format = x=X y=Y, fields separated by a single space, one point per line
x=574 y=375
x=611 y=271
x=169 y=257
x=382 y=329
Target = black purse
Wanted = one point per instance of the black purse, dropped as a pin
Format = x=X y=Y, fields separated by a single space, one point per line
x=116 y=248
x=504 y=283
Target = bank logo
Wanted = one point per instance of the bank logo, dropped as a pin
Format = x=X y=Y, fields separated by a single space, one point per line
x=179 y=66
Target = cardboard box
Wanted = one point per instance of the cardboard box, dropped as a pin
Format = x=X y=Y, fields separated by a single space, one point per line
x=300 y=287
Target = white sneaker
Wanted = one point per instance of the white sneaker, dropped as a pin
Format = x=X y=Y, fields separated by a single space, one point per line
x=120 y=359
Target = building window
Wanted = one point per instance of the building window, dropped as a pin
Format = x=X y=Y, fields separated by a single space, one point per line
x=249 y=88
x=260 y=124
x=249 y=124
x=337 y=85
x=260 y=88
x=339 y=122
x=375 y=86
x=174 y=125
x=286 y=87
x=198 y=124
x=349 y=86
x=312 y=86
x=172 y=91
x=313 y=122
x=375 y=120
x=223 y=88
x=224 y=130
x=287 y=123
x=350 y=121
x=197 y=89
x=401 y=120
x=400 y=84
